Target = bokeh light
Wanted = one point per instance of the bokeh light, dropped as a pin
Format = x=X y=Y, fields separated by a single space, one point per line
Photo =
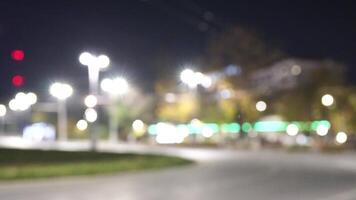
x=341 y=137
x=2 y=110
x=18 y=80
x=90 y=101
x=322 y=130
x=82 y=125
x=61 y=90
x=292 y=130
x=90 y=115
x=261 y=106
x=18 y=55
x=327 y=100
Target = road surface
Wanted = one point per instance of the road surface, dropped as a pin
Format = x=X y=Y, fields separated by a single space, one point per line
x=260 y=175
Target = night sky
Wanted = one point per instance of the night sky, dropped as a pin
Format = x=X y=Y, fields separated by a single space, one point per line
x=136 y=34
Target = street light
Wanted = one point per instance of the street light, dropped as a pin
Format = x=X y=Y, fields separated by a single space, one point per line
x=115 y=87
x=95 y=64
x=61 y=91
x=82 y=125
x=261 y=106
x=91 y=115
x=341 y=137
x=292 y=130
x=327 y=100
x=2 y=116
x=193 y=79
x=90 y=101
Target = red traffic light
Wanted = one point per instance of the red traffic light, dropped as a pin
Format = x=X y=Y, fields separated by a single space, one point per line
x=18 y=55
x=18 y=80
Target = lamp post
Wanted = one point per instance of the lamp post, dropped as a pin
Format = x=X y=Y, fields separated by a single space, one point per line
x=2 y=116
x=95 y=64
x=115 y=87
x=61 y=91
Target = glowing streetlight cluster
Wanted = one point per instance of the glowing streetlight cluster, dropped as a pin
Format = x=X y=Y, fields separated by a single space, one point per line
x=88 y=59
x=22 y=101
x=115 y=87
x=193 y=79
x=61 y=91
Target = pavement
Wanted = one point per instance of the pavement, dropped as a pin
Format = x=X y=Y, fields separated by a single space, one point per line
x=218 y=174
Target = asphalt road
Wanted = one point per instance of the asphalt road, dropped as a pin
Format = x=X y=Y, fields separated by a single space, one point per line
x=226 y=175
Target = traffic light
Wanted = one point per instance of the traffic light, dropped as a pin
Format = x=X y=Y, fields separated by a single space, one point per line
x=18 y=80
x=17 y=55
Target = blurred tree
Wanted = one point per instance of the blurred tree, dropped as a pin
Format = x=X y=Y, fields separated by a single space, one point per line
x=131 y=106
x=243 y=48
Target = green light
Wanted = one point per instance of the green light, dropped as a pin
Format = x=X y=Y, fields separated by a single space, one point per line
x=246 y=127
x=314 y=125
x=234 y=128
x=270 y=126
x=152 y=129
x=230 y=128
x=213 y=127
x=224 y=128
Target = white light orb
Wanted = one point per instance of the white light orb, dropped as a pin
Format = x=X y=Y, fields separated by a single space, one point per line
x=90 y=101
x=207 y=132
x=322 y=130
x=138 y=125
x=206 y=81
x=90 y=115
x=21 y=102
x=103 y=61
x=13 y=105
x=86 y=58
x=189 y=77
x=61 y=90
x=292 y=130
x=327 y=100
x=82 y=125
x=2 y=110
x=32 y=98
x=115 y=87
x=341 y=137
x=261 y=106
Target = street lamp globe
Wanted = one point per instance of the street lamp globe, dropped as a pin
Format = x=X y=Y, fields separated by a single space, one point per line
x=82 y=125
x=341 y=137
x=90 y=115
x=322 y=130
x=327 y=100
x=61 y=90
x=32 y=98
x=103 y=61
x=90 y=101
x=189 y=77
x=115 y=87
x=261 y=106
x=2 y=110
x=86 y=58
x=292 y=130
